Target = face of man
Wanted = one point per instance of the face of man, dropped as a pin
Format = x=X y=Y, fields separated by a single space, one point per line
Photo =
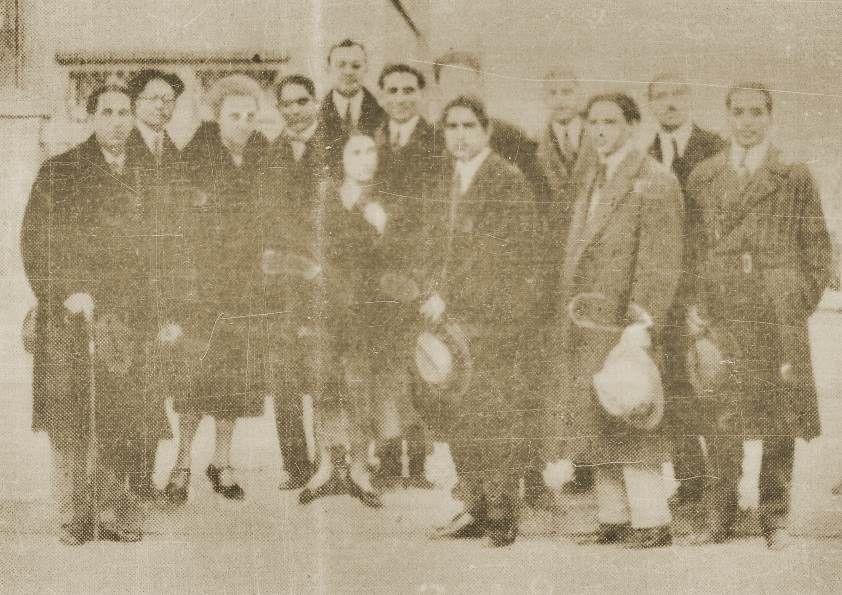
x=562 y=99
x=112 y=121
x=748 y=117
x=297 y=107
x=401 y=96
x=463 y=134
x=670 y=103
x=608 y=128
x=359 y=158
x=236 y=120
x=459 y=80
x=347 y=67
x=155 y=104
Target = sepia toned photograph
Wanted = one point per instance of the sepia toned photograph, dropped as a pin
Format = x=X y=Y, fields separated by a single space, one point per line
x=421 y=296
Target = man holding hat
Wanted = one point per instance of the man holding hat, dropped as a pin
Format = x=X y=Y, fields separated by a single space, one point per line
x=479 y=260
x=618 y=276
x=763 y=261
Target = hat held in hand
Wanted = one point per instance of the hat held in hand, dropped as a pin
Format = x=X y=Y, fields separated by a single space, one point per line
x=628 y=386
x=443 y=360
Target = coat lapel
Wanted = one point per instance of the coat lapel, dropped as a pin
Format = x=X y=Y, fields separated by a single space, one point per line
x=585 y=230
x=764 y=183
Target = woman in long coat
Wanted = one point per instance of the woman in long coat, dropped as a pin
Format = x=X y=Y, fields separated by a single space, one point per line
x=351 y=231
x=219 y=320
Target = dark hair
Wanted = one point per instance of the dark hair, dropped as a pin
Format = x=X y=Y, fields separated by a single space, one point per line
x=93 y=99
x=662 y=78
x=295 y=79
x=750 y=86
x=139 y=81
x=345 y=43
x=393 y=68
x=631 y=112
x=454 y=58
x=470 y=102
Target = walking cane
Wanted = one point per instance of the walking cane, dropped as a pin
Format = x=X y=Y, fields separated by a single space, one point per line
x=92 y=454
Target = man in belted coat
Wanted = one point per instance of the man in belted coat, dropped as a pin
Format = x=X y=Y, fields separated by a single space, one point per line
x=87 y=244
x=680 y=144
x=479 y=257
x=763 y=260
x=624 y=250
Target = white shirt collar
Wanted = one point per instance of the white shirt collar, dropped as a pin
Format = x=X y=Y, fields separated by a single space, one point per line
x=468 y=169
x=404 y=129
x=572 y=130
x=115 y=161
x=340 y=102
x=149 y=136
x=613 y=161
x=751 y=159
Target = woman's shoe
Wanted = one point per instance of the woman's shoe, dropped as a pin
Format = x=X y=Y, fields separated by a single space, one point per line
x=367 y=497
x=75 y=533
x=232 y=491
x=177 y=486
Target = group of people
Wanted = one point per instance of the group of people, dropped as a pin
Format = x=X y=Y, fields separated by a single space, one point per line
x=457 y=281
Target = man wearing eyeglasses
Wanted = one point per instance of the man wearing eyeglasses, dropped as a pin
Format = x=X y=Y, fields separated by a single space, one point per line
x=153 y=95
x=293 y=168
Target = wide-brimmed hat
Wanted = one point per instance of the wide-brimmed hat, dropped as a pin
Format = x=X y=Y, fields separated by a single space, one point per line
x=443 y=360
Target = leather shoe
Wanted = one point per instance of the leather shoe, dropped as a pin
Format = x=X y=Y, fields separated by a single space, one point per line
x=777 y=539
x=650 y=537
x=177 y=487
x=418 y=482
x=75 y=533
x=607 y=534
x=502 y=531
x=462 y=526
x=332 y=486
x=231 y=491
x=120 y=534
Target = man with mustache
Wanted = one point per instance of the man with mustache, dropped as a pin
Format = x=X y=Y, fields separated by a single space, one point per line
x=681 y=145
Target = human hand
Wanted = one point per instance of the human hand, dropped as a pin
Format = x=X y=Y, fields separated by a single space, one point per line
x=433 y=308
x=80 y=303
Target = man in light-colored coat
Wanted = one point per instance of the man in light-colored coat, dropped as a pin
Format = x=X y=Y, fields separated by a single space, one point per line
x=624 y=244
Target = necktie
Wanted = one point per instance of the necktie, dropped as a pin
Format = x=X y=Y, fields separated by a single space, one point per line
x=601 y=174
x=158 y=147
x=675 y=155
x=598 y=184
x=347 y=124
x=395 y=137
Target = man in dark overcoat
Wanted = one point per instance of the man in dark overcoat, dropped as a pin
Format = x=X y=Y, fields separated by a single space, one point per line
x=289 y=194
x=763 y=260
x=407 y=166
x=349 y=106
x=154 y=94
x=680 y=144
x=479 y=236
x=87 y=243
